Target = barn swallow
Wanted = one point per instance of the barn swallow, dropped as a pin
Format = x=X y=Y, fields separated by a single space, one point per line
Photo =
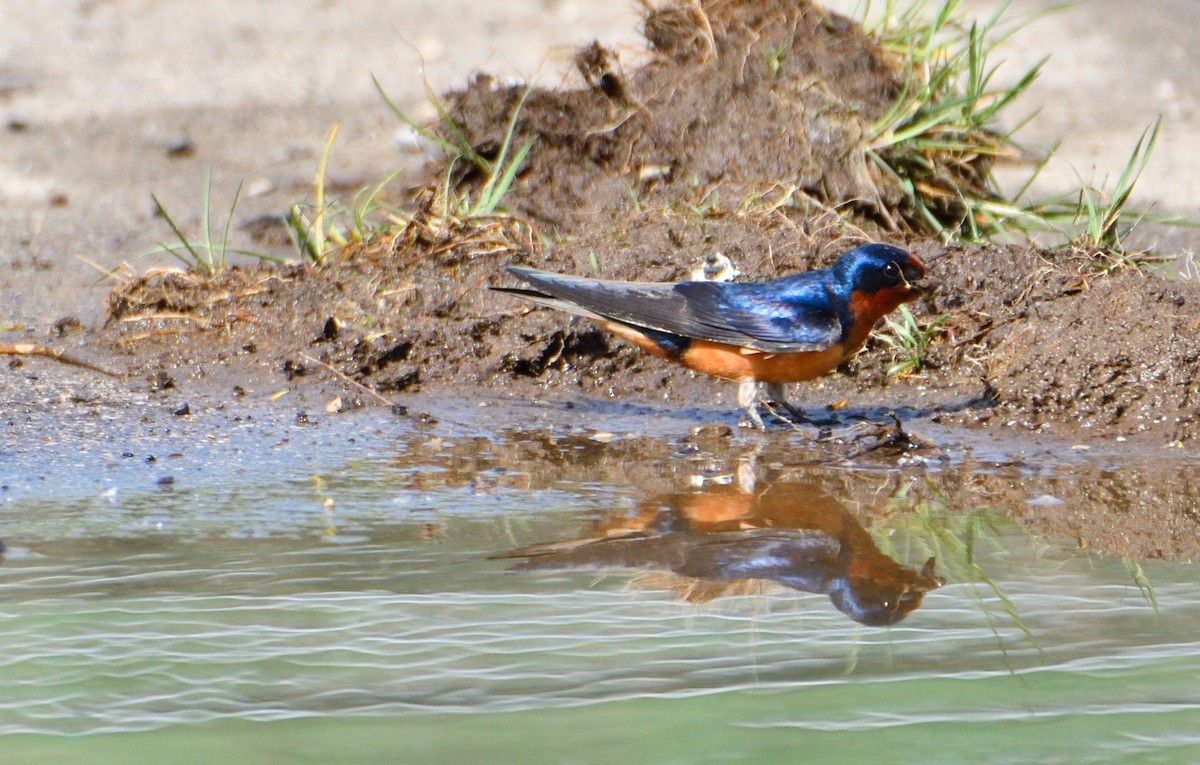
x=776 y=332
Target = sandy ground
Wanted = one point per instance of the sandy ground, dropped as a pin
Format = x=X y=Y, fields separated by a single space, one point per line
x=103 y=103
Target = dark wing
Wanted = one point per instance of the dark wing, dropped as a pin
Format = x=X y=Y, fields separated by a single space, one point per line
x=634 y=303
x=783 y=316
x=800 y=558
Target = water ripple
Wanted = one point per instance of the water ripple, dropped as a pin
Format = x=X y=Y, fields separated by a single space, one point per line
x=133 y=663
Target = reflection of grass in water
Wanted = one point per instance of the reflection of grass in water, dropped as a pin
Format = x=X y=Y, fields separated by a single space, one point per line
x=852 y=654
x=1139 y=577
x=929 y=528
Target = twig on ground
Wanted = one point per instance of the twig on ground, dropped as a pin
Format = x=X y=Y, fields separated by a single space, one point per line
x=34 y=349
x=344 y=378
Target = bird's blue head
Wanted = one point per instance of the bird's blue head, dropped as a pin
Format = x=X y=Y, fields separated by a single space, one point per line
x=881 y=268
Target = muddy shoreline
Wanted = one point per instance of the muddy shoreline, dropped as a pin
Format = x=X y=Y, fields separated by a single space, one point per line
x=1107 y=495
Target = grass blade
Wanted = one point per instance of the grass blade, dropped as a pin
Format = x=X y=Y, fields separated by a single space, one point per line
x=196 y=261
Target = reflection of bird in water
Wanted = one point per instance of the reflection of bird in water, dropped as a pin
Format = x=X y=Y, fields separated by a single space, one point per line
x=789 y=533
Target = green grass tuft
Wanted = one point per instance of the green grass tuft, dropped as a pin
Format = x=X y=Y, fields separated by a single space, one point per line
x=498 y=174
x=308 y=221
x=209 y=255
x=322 y=225
x=941 y=138
x=939 y=141
x=1098 y=220
x=909 y=340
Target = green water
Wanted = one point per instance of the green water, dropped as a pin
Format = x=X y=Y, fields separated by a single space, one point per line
x=274 y=617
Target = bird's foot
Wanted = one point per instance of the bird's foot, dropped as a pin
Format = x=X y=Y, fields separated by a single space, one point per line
x=794 y=414
x=788 y=416
x=775 y=404
x=776 y=400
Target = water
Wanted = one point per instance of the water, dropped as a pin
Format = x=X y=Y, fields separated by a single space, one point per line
x=344 y=605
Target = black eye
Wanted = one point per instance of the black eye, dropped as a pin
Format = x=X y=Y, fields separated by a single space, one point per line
x=892 y=271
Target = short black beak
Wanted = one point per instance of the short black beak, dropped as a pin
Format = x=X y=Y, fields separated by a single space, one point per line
x=916 y=275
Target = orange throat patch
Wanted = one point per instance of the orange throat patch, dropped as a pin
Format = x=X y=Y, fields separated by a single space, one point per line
x=868 y=309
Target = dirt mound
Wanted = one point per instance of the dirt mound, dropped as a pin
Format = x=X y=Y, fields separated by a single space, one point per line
x=1124 y=352
x=738 y=101
x=1060 y=344
x=743 y=134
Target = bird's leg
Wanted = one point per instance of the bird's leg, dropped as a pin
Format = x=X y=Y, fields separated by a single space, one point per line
x=748 y=400
x=778 y=396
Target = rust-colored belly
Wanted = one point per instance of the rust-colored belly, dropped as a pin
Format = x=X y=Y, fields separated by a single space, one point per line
x=732 y=362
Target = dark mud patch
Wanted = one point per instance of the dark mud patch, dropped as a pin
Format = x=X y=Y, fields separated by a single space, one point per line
x=1063 y=347
x=743 y=134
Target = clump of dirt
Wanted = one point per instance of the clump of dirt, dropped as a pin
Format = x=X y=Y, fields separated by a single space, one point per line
x=740 y=102
x=1061 y=344
x=743 y=134
x=1057 y=344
